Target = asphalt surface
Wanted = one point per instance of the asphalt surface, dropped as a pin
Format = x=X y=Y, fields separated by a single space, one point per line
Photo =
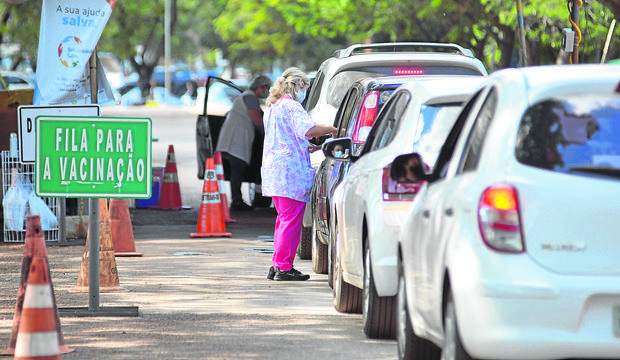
x=197 y=298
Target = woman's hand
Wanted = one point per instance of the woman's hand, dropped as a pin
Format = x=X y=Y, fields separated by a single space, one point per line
x=313 y=148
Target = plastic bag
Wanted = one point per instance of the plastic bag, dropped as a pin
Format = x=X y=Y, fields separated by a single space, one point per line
x=49 y=221
x=14 y=204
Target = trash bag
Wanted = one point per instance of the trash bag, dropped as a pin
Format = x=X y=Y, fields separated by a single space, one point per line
x=14 y=204
x=49 y=221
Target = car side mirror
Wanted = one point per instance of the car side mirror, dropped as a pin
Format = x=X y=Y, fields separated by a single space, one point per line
x=338 y=149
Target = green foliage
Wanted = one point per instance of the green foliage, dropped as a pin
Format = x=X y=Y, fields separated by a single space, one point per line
x=266 y=33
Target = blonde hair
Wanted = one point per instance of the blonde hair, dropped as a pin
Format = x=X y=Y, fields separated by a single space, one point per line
x=286 y=85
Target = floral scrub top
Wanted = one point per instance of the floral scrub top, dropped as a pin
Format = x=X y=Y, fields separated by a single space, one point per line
x=286 y=169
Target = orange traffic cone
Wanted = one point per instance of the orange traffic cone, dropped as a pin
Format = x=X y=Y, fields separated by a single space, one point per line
x=219 y=170
x=121 y=228
x=37 y=337
x=108 y=274
x=210 y=217
x=34 y=246
x=170 y=193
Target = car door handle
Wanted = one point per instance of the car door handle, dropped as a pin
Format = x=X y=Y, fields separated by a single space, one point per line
x=449 y=212
x=426 y=213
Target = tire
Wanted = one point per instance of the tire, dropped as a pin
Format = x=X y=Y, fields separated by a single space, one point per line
x=453 y=347
x=319 y=253
x=347 y=298
x=410 y=346
x=304 y=250
x=379 y=312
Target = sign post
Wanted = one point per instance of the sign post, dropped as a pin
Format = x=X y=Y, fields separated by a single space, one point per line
x=93 y=157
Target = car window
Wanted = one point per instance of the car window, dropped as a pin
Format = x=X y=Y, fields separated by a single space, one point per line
x=315 y=91
x=348 y=108
x=473 y=146
x=387 y=121
x=220 y=98
x=578 y=135
x=447 y=149
x=435 y=122
x=341 y=82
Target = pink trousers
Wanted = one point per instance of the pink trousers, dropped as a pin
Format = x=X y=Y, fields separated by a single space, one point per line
x=287 y=232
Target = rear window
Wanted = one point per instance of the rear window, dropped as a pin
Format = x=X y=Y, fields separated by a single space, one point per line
x=579 y=135
x=341 y=82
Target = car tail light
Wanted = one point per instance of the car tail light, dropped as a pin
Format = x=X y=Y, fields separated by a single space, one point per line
x=499 y=220
x=408 y=72
x=397 y=191
x=366 y=117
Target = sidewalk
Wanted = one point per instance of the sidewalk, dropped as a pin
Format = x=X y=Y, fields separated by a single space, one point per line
x=202 y=298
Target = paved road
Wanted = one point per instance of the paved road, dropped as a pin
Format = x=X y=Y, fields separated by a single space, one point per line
x=197 y=298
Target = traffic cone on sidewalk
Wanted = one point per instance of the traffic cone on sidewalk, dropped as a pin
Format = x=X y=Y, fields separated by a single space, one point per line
x=170 y=195
x=219 y=171
x=34 y=246
x=37 y=337
x=121 y=229
x=210 y=217
x=108 y=273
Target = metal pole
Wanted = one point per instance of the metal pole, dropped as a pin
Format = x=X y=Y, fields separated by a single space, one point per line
x=575 y=18
x=611 y=30
x=522 y=33
x=62 y=220
x=167 y=22
x=93 y=211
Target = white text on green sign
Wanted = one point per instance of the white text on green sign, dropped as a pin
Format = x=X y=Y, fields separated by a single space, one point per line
x=93 y=157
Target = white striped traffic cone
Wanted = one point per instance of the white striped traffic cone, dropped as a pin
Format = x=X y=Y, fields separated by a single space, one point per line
x=37 y=337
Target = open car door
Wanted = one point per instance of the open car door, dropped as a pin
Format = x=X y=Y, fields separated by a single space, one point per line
x=219 y=97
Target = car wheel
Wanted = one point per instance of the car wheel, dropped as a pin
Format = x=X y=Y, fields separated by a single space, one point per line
x=379 y=312
x=347 y=298
x=452 y=348
x=304 y=250
x=319 y=253
x=410 y=346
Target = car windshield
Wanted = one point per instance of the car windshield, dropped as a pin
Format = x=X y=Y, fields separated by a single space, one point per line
x=579 y=135
x=435 y=124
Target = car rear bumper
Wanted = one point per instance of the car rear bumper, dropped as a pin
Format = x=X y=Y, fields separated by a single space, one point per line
x=527 y=312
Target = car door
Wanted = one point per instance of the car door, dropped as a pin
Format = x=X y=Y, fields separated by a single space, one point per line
x=435 y=213
x=355 y=184
x=219 y=96
x=327 y=176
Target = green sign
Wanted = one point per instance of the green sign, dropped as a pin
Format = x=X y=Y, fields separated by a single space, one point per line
x=98 y=157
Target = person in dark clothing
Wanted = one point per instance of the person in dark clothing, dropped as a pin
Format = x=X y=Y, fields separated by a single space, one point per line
x=237 y=136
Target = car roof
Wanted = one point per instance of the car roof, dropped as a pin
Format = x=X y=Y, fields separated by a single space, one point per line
x=566 y=79
x=334 y=65
x=401 y=47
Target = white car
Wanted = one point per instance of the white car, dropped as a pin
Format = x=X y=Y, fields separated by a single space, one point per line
x=337 y=73
x=365 y=219
x=511 y=249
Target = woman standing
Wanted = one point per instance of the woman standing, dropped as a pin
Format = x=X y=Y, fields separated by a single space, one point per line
x=286 y=171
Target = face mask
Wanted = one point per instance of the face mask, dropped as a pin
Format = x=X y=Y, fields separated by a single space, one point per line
x=338 y=154
x=301 y=94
